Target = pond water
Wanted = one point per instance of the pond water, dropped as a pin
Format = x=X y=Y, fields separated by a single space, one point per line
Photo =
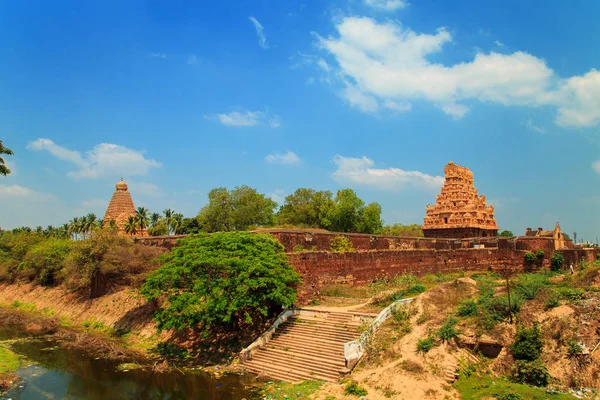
x=52 y=372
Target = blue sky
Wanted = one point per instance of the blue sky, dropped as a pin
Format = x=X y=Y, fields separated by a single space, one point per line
x=180 y=97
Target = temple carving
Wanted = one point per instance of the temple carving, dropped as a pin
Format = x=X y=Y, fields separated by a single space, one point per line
x=459 y=211
x=120 y=207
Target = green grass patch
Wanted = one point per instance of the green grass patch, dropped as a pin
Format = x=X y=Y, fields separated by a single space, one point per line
x=282 y=390
x=9 y=361
x=479 y=386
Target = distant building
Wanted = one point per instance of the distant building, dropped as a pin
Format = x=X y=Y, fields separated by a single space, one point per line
x=556 y=235
x=459 y=212
x=120 y=207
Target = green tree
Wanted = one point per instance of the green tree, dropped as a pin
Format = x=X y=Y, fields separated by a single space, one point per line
x=177 y=222
x=168 y=213
x=349 y=214
x=556 y=261
x=221 y=279
x=413 y=230
x=141 y=218
x=3 y=168
x=305 y=208
x=131 y=225
x=236 y=210
x=506 y=233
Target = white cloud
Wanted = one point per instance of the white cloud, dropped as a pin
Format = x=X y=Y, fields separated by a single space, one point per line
x=380 y=62
x=262 y=39
x=289 y=158
x=105 y=159
x=14 y=191
x=94 y=204
x=144 y=189
x=158 y=55
x=248 y=118
x=596 y=166
x=534 y=128
x=275 y=121
x=386 y=5
x=579 y=101
x=398 y=107
x=499 y=43
x=362 y=171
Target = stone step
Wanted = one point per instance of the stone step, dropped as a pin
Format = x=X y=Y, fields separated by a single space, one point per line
x=316 y=359
x=329 y=324
x=308 y=346
x=318 y=339
x=267 y=367
x=325 y=354
x=317 y=333
x=293 y=361
x=324 y=329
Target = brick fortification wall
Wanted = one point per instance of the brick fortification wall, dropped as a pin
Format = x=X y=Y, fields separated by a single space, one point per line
x=378 y=256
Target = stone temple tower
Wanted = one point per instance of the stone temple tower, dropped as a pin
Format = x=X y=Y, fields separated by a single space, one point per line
x=120 y=206
x=459 y=211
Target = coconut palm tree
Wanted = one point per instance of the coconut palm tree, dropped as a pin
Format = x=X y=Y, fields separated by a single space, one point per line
x=154 y=219
x=89 y=223
x=100 y=223
x=112 y=225
x=177 y=222
x=168 y=218
x=131 y=225
x=141 y=218
x=3 y=168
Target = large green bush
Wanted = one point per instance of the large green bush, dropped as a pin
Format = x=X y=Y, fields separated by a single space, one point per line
x=528 y=344
x=532 y=373
x=45 y=260
x=341 y=244
x=222 y=279
x=556 y=261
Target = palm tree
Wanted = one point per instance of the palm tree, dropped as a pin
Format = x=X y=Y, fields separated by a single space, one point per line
x=131 y=225
x=3 y=150
x=141 y=218
x=112 y=225
x=154 y=219
x=100 y=223
x=90 y=223
x=177 y=222
x=168 y=218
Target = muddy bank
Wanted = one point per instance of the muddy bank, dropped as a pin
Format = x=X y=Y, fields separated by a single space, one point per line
x=123 y=310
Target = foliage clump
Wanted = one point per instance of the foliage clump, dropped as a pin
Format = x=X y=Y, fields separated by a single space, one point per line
x=448 y=330
x=341 y=244
x=556 y=261
x=532 y=373
x=223 y=279
x=424 y=345
x=529 y=257
x=528 y=344
x=468 y=308
x=530 y=285
x=354 y=389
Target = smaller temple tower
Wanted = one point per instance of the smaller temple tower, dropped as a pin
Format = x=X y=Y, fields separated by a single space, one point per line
x=459 y=211
x=120 y=207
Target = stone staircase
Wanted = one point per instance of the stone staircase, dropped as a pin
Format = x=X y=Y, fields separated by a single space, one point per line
x=451 y=370
x=309 y=346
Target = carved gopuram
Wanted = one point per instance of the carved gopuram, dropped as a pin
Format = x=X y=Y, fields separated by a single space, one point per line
x=459 y=212
x=120 y=207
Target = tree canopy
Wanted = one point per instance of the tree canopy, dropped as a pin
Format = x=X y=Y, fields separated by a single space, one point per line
x=506 y=233
x=3 y=168
x=402 y=230
x=349 y=214
x=236 y=210
x=221 y=279
x=305 y=208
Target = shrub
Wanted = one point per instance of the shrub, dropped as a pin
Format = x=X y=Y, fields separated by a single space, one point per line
x=529 y=257
x=341 y=244
x=569 y=293
x=552 y=301
x=447 y=331
x=467 y=308
x=574 y=348
x=424 y=345
x=497 y=307
x=415 y=289
x=354 y=389
x=45 y=260
x=528 y=344
x=222 y=279
x=298 y=249
x=170 y=350
x=532 y=373
x=540 y=254
x=556 y=261
x=530 y=285
x=508 y=396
